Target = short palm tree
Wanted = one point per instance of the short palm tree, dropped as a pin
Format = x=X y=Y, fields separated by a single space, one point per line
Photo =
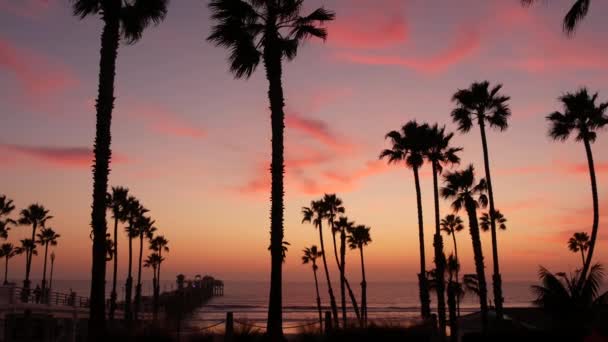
x=579 y=242
x=485 y=224
x=357 y=238
x=135 y=213
x=27 y=247
x=454 y=291
x=440 y=154
x=7 y=251
x=342 y=225
x=153 y=261
x=452 y=224
x=582 y=117
x=311 y=254
x=6 y=208
x=46 y=237
x=315 y=214
x=145 y=230
x=460 y=187
x=573 y=17
x=408 y=146
x=124 y=20
x=488 y=107
x=158 y=245
x=572 y=304
x=117 y=204
x=36 y=216
x=268 y=31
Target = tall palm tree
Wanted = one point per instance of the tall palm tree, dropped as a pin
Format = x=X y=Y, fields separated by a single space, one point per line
x=579 y=242
x=124 y=20
x=267 y=31
x=311 y=254
x=440 y=154
x=465 y=193
x=583 y=118
x=117 y=204
x=409 y=146
x=342 y=225
x=452 y=224
x=357 y=238
x=571 y=303
x=334 y=207
x=135 y=212
x=158 y=245
x=36 y=216
x=573 y=17
x=145 y=230
x=315 y=214
x=488 y=107
x=46 y=237
x=454 y=293
x=7 y=251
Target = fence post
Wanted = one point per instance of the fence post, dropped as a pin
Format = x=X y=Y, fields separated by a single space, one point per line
x=328 y=326
x=229 y=330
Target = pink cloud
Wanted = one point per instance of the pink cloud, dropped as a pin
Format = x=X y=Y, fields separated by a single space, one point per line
x=165 y=122
x=62 y=157
x=317 y=129
x=379 y=31
x=37 y=75
x=463 y=45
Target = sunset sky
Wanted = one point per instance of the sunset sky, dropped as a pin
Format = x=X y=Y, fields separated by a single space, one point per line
x=193 y=144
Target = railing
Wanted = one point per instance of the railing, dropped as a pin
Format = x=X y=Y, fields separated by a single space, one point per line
x=51 y=298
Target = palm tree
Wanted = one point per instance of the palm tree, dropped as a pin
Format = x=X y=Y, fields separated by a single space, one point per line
x=134 y=211
x=485 y=223
x=486 y=106
x=583 y=117
x=311 y=254
x=27 y=247
x=145 y=229
x=452 y=224
x=46 y=237
x=153 y=261
x=6 y=208
x=357 y=238
x=267 y=31
x=440 y=154
x=461 y=188
x=158 y=245
x=573 y=304
x=408 y=146
x=117 y=203
x=454 y=293
x=7 y=251
x=579 y=242
x=577 y=12
x=315 y=214
x=36 y=216
x=121 y=20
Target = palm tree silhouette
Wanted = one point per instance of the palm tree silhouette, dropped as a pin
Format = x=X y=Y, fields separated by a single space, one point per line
x=145 y=229
x=46 y=237
x=487 y=106
x=583 y=117
x=357 y=238
x=460 y=187
x=36 y=216
x=27 y=247
x=452 y=224
x=485 y=223
x=440 y=154
x=153 y=261
x=6 y=208
x=334 y=207
x=409 y=146
x=135 y=212
x=315 y=214
x=158 y=245
x=121 y=20
x=573 y=17
x=579 y=242
x=117 y=204
x=454 y=292
x=267 y=31
x=342 y=225
x=572 y=303
x=7 y=251
x=311 y=254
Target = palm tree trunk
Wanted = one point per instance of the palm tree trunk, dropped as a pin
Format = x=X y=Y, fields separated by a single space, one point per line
x=46 y=251
x=113 y=295
x=157 y=289
x=425 y=300
x=314 y=271
x=363 y=290
x=29 y=252
x=496 y=277
x=6 y=270
x=351 y=294
x=101 y=168
x=583 y=257
x=51 y=275
x=457 y=270
x=342 y=277
x=589 y=257
x=138 y=287
x=439 y=258
x=273 y=64
x=452 y=305
x=129 y=284
x=332 y=299
x=479 y=264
